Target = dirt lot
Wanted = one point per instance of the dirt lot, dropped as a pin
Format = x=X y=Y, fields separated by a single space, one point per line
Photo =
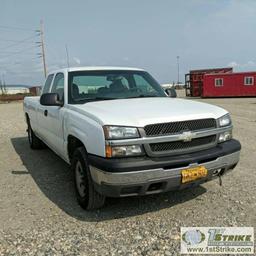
x=39 y=214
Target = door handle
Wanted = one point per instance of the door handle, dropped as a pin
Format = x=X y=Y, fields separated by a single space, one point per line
x=46 y=112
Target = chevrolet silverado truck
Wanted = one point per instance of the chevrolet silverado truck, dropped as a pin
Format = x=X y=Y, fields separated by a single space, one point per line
x=123 y=135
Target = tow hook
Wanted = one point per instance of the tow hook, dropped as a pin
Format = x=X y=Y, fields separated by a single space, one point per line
x=217 y=172
x=220 y=180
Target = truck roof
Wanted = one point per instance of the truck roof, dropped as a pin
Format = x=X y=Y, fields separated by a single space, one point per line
x=94 y=68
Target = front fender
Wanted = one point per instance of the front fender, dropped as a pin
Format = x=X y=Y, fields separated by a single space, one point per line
x=88 y=131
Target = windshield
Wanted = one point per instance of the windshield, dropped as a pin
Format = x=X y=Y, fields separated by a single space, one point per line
x=87 y=86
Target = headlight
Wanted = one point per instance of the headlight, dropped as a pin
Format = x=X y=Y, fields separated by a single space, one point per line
x=123 y=151
x=224 y=120
x=225 y=136
x=120 y=132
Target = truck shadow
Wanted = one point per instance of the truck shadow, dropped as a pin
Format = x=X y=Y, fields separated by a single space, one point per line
x=55 y=180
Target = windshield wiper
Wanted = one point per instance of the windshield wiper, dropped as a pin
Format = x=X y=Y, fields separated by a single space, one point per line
x=93 y=99
x=143 y=96
x=103 y=98
x=85 y=100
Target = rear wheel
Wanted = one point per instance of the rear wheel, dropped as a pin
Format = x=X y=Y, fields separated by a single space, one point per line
x=34 y=141
x=86 y=194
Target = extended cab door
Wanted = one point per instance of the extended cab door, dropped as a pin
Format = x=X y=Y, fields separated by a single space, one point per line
x=53 y=117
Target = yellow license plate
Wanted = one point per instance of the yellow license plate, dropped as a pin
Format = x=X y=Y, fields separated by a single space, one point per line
x=193 y=174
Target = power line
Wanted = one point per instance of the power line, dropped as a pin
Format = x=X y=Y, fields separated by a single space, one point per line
x=9 y=40
x=16 y=28
x=18 y=43
x=6 y=54
x=15 y=52
x=15 y=68
x=18 y=52
x=10 y=62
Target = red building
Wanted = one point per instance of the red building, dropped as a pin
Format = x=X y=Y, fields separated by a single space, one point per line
x=229 y=84
x=194 y=80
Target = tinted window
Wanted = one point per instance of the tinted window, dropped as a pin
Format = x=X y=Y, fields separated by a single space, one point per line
x=87 y=86
x=58 y=85
x=143 y=85
x=47 y=84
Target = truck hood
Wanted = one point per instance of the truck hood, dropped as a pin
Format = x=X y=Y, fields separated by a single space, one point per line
x=139 y=112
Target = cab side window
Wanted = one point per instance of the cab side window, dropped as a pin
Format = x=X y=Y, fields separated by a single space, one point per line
x=47 y=84
x=58 y=86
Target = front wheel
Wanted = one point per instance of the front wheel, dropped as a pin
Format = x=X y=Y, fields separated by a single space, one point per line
x=86 y=194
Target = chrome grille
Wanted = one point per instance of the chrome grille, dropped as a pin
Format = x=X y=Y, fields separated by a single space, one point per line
x=181 y=145
x=177 y=127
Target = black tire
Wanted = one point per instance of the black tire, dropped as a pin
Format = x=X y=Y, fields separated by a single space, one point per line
x=34 y=141
x=87 y=196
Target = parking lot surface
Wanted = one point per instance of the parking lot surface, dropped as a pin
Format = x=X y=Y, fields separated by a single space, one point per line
x=39 y=214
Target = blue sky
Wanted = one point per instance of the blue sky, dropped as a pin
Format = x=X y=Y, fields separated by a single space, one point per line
x=146 y=33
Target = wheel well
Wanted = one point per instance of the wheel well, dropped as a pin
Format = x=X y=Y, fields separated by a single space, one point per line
x=73 y=143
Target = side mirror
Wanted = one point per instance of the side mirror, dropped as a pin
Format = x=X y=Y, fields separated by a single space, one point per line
x=171 y=92
x=50 y=99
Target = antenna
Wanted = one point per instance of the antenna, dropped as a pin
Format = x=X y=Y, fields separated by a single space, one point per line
x=67 y=55
x=178 y=64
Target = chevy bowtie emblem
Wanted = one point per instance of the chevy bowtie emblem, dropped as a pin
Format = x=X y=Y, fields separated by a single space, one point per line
x=186 y=136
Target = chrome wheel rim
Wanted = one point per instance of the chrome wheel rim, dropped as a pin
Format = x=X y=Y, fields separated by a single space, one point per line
x=80 y=179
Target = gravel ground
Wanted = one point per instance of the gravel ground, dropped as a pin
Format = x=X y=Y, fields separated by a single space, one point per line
x=39 y=214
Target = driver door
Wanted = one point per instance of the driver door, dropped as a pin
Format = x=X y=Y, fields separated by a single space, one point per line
x=54 y=117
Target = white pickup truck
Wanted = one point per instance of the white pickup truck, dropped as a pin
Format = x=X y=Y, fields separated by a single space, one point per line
x=123 y=135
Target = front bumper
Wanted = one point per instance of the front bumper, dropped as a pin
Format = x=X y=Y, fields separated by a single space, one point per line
x=140 y=176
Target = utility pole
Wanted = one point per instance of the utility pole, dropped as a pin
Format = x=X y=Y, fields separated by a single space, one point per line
x=178 y=65
x=67 y=55
x=42 y=47
x=1 y=86
x=4 y=85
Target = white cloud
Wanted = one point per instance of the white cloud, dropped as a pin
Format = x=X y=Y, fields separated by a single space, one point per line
x=248 y=64
x=77 y=60
x=39 y=69
x=53 y=67
x=233 y=64
x=251 y=63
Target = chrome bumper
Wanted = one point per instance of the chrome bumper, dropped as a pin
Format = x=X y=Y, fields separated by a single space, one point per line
x=153 y=175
